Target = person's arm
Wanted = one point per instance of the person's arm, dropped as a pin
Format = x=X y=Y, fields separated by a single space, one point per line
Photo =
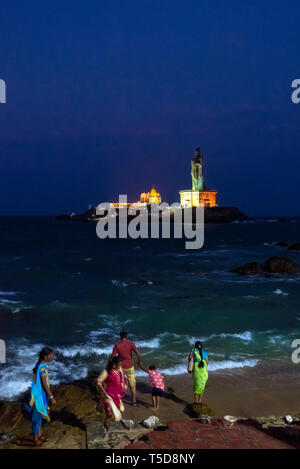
x=137 y=352
x=101 y=381
x=206 y=359
x=47 y=388
x=189 y=361
x=142 y=367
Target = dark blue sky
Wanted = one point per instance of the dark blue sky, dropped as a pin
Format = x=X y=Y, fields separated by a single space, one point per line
x=109 y=97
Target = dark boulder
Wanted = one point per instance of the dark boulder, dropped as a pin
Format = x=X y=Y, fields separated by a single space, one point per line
x=278 y=265
x=249 y=269
x=294 y=247
x=282 y=244
x=223 y=215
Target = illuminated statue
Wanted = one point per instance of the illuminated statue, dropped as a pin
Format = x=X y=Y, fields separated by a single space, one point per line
x=197 y=171
x=199 y=194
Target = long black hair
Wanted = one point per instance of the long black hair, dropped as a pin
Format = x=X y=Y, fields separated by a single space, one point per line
x=114 y=361
x=198 y=346
x=42 y=355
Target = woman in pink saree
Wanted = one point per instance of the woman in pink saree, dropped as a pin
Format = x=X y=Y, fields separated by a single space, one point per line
x=112 y=383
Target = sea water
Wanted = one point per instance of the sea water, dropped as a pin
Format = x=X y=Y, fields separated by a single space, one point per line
x=62 y=286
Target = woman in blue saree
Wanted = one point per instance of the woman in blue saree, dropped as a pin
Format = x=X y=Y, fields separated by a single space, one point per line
x=41 y=394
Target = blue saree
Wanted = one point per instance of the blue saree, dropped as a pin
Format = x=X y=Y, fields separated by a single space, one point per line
x=39 y=399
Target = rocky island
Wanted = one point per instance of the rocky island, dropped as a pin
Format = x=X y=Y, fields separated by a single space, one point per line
x=199 y=195
x=212 y=215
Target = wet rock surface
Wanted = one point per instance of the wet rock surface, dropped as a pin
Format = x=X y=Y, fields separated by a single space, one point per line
x=67 y=429
x=223 y=215
x=250 y=268
x=112 y=435
x=273 y=265
x=280 y=265
x=281 y=244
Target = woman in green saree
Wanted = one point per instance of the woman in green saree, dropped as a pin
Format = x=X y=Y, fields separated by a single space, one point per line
x=199 y=358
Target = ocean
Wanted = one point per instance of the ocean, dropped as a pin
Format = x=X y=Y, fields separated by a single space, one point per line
x=63 y=287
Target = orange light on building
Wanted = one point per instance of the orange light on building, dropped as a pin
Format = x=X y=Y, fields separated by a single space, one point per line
x=152 y=197
x=195 y=198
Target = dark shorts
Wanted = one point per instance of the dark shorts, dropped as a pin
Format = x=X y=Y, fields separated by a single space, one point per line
x=157 y=392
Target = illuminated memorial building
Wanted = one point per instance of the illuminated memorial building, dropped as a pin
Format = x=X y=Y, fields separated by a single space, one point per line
x=199 y=194
x=146 y=198
x=152 y=197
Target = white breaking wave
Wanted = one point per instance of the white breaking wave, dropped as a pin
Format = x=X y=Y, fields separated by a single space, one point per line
x=16 y=380
x=118 y=283
x=213 y=366
x=9 y=302
x=153 y=343
x=10 y=388
x=7 y=293
x=13 y=305
x=83 y=351
x=246 y=336
x=230 y=364
x=280 y=292
x=99 y=333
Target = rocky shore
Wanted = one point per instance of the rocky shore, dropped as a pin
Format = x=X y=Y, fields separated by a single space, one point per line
x=78 y=421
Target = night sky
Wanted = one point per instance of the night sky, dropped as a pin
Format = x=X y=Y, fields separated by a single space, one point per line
x=111 y=97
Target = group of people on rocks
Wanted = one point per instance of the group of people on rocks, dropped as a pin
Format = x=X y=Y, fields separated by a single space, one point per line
x=113 y=382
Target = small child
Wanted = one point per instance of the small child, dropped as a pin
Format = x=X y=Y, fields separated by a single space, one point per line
x=157 y=382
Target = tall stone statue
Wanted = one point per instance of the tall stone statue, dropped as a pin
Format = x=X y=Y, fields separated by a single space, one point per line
x=197 y=171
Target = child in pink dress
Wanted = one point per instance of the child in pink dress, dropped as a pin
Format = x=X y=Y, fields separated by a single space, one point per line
x=157 y=382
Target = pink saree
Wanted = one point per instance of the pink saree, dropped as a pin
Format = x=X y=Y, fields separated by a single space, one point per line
x=115 y=388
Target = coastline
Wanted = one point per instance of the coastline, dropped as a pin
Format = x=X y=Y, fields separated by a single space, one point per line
x=246 y=393
x=256 y=393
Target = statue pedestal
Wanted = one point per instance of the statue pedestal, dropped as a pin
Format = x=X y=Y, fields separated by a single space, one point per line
x=195 y=198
